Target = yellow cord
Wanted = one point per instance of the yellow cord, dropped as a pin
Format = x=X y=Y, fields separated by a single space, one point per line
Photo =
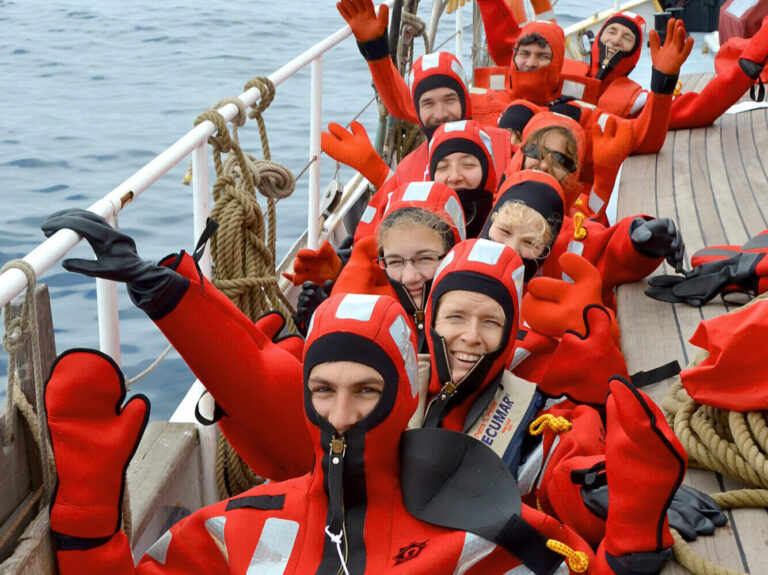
x=579 y=231
x=555 y=423
x=578 y=561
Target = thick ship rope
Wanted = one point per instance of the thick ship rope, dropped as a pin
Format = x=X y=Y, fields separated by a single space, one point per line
x=17 y=332
x=243 y=249
x=731 y=443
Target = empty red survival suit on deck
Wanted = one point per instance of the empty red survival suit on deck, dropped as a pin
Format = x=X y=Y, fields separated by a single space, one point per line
x=346 y=515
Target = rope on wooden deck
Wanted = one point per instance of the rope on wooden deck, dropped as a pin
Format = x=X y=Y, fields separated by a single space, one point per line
x=728 y=442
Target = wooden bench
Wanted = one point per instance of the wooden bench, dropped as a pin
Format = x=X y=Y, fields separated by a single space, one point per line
x=714 y=183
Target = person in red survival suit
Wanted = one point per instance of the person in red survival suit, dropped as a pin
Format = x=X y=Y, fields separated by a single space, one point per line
x=535 y=75
x=347 y=515
x=188 y=310
x=422 y=222
x=614 y=55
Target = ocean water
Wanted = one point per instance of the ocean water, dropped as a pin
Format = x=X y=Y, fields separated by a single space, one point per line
x=93 y=91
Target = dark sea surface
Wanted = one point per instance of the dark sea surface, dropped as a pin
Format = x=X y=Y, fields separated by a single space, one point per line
x=92 y=91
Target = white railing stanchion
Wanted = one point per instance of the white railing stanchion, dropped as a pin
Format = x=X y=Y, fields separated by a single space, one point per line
x=201 y=203
x=109 y=322
x=315 y=127
x=460 y=36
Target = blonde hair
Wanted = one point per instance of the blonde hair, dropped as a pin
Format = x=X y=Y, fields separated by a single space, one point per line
x=421 y=217
x=518 y=213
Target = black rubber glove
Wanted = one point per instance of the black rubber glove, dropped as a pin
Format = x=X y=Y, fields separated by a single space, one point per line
x=345 y=250
x=704 y=282
x=311 y=296
x=154 y=289
x=658 y=238
x=691 y=513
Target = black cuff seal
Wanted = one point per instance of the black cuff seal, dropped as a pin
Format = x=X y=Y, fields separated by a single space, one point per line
x=70 y=543
x=662 y=83
x=750 y=68
x=375 y=49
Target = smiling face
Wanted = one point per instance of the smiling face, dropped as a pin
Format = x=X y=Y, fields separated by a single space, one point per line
x=472 y=324
x=532 y=57
x=554 y=152
x=344 y=392
x=617 y=38
x=415 y=250
x=439 y=106
x=460 y=171
x=522 y=228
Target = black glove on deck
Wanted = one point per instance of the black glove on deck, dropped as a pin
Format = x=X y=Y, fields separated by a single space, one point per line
x=658 y=238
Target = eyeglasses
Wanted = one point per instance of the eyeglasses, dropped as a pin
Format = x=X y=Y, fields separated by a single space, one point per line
x=533 y=151
x=420 y=262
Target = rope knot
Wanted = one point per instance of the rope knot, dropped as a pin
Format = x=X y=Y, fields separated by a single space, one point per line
x=578 y=561
x=579 y=231
x=266 y=87
x=555 y=423
x=16 y=331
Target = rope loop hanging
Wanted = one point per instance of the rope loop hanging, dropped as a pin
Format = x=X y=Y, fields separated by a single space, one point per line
x=18 y=332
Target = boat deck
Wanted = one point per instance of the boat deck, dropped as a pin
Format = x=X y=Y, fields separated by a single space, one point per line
x=714 y=183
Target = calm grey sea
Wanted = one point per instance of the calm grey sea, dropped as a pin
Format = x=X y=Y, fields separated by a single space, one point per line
x=94 y=90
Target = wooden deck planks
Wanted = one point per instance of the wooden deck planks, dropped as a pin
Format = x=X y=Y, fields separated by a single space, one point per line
x=714 y=182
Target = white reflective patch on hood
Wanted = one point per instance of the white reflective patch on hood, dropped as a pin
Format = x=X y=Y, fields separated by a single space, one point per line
x=486 y=139
x=368 y=215
x=485 y=251
x=475 y=549
x=274 y=548
x=520 y=354
x=215 y=527
x=518 y=277
x=446 y=260
x=453 y=209
x=159 y=549
x=457 y=126
x=401 y=335
x=429 y=61
x=357 y=306
x=417 y=191
x=458 y=69
x=595 y=202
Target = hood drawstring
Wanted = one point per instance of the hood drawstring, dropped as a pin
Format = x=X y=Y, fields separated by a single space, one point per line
x=336 y=538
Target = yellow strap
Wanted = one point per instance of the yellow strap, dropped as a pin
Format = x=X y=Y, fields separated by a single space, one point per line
x=555 y=423
x=578 y=561
x=579 y=231
x=678 y=89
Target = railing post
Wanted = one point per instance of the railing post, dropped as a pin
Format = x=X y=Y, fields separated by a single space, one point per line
x=109 y=323
x=460 y=36
x=315 y=127
x=201 y=206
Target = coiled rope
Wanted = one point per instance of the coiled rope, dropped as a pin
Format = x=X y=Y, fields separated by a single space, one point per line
x=18 y=332
x=728 y=442
x=243 y=248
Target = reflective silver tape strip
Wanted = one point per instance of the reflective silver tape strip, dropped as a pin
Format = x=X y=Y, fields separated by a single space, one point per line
x=520 y=354
x=357 y=306
x=596 y=203
x=574 y=247
x=548 y=15
x=454 y=211
x=417 y=191
x=485 y=251
x=368 y=215
x=215 y=528
x=159 y=548
x=459 y=71
x=274 y=548
x=573 y=89
x=497 y=81
x=555 y=443
x=401 y=334
x=457 y=126
x=446 y=260
x=518 y=278
x=475 y=548
x=639 y=103
x=430 y=60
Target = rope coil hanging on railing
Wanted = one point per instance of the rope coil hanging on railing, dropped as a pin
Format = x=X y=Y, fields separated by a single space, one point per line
x=731 y=443
x=18 y=332
x=243 y=248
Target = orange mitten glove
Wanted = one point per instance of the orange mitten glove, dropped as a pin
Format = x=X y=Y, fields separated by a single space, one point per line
x=355 y=150
x=362 y=273
x=610 y=146
x=668 y=59
x=316 y=266
x=361 y=17
x=552 y=307
x=93 y=437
